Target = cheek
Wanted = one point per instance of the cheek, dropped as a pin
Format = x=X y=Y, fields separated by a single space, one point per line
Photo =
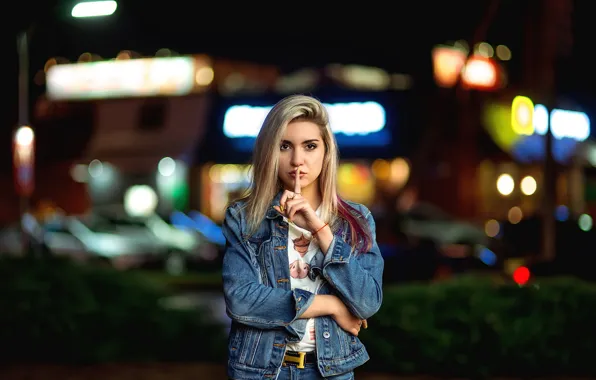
x=317 y=164
x=282 y=166
x=285 y=162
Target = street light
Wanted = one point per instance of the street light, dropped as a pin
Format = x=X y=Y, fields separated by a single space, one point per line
x=24 y=158
x=23 y=150
x=94 y=9
x=448 y=62
x=480 y=73
x=25 y=132
x=452 y=64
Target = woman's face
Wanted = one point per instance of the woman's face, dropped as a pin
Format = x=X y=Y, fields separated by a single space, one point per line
x=301 y=146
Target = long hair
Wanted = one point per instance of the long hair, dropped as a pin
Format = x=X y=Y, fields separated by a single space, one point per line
x=265 y=181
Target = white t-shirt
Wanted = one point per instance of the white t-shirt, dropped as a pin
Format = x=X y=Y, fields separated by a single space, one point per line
x=301 y=249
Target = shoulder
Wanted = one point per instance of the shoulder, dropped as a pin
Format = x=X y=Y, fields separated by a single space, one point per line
x=235 y=212
x=236 y=207
x=361 y=209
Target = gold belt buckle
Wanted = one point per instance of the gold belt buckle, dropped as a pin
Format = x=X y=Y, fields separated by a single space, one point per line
x=298 y=360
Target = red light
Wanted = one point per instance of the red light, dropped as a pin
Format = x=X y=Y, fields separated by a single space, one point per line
x=521 y=275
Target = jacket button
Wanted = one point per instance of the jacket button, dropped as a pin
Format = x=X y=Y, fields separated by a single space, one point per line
x=326 y=335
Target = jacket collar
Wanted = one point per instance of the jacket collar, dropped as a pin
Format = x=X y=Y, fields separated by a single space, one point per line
x=271 y=212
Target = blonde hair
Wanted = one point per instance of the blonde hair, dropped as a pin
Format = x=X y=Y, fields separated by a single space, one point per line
x=265 y=182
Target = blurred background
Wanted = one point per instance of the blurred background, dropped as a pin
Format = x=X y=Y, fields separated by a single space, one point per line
x=464 y=126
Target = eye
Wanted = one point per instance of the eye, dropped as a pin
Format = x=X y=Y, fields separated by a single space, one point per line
x=311 y=146
x=284 y=146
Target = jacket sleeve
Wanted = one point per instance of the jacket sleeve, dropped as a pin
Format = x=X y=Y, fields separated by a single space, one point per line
x=248 y=300
x=356 y=276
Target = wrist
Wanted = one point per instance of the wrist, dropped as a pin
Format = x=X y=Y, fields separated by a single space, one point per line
x=318 y=227
x=335 y=305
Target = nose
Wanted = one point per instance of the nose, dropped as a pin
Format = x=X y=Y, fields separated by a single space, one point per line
x=297 y=158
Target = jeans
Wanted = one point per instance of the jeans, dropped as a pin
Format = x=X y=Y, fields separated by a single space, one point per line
x=309 y=372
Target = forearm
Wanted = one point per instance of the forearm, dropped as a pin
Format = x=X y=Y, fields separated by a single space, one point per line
x=321 y=305
x=357 y=277
x=324 y=237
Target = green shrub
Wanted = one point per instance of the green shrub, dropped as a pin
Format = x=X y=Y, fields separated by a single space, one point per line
x=477 y=327
x=54 y=311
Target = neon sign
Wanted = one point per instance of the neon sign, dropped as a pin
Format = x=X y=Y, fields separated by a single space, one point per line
x=531 y=123
x=563 y=123
x=527 y=119
x=521 y=126
x=350 y=119
x=114 y=79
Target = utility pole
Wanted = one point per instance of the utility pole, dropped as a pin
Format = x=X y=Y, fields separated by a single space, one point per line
x=554 y=28
x=466 y=153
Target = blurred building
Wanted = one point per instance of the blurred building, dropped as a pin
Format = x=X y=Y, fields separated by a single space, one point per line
x=172 y=123
x=512 y=187
x=185 y=126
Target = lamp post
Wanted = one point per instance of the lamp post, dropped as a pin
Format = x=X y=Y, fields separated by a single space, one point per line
x=24 y=136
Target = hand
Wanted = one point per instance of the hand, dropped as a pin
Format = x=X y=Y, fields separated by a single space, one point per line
x=297 y=209
x=347 y=321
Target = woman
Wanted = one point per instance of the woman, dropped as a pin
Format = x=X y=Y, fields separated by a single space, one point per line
x=302 y=270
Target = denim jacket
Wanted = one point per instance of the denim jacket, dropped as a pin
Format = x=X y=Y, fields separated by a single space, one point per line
x=266 y=312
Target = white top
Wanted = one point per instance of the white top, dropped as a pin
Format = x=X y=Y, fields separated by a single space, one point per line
x=301 y=249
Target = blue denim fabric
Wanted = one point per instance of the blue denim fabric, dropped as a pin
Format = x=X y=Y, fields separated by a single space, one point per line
x=265 y=312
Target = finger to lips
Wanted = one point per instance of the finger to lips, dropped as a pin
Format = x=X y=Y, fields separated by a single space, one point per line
x=297 y=188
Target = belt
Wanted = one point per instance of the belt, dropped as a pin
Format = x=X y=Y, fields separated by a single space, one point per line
x=299 y=359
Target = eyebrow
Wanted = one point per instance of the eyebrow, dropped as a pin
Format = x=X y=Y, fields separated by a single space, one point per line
x=304 y=142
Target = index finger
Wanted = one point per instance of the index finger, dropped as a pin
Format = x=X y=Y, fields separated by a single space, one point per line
x=297 y=188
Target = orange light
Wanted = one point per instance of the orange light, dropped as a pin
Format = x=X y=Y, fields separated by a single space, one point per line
x=447 y=64
x=480 y=73
x=521 y=275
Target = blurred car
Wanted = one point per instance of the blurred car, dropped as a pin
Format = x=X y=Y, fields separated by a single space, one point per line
x=455 y=238
x=88 y=239
x=185 y=247
x=11 y=237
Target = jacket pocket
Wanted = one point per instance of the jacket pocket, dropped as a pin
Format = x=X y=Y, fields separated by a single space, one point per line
x=244 y=345
x=349 y=343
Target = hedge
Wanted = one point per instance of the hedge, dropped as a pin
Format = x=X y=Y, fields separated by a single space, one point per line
x=55 y=311
x=478 y=326
x=472 y=326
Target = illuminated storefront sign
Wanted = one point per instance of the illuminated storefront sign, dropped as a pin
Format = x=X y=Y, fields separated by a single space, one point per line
x=564 y=124
x=356 y=123
x=521 y=129
x=568 y=128
x=528 y=119
x=123 y=78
